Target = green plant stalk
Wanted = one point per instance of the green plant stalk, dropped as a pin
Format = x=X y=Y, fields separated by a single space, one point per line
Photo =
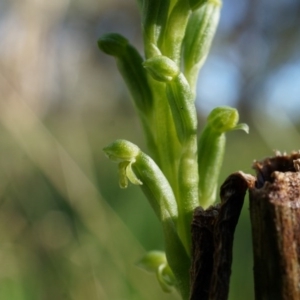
x=170 y=162
x=183 y=109
x=181 y=103
x=188 y=186
x=212 y=148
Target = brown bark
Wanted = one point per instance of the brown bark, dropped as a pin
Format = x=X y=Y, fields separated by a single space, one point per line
x=212 y=237
x=275 y=219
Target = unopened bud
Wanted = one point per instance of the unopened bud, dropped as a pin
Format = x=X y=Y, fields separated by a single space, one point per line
x=162 y=68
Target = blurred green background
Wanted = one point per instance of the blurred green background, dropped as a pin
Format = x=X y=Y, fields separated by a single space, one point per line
x=66 y=229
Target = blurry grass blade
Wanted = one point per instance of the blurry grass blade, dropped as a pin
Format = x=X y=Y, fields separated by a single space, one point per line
x=140 y=3
x=129 y=63
x=198 y=37
x=211 y=148
x=75 y=187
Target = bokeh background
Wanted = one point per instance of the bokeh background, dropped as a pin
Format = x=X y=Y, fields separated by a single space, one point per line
x=66 y=229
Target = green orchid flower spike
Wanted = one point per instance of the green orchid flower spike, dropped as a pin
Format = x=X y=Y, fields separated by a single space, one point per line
x=181 y=171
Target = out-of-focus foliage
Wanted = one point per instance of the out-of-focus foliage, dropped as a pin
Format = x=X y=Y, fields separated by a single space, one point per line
x=67 y=231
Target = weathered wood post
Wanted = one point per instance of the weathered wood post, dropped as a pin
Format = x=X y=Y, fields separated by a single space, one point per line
x=275 y=221
x=212 y=236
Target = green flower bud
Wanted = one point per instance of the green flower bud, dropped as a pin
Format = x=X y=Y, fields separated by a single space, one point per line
x=122 y=150
x=140 y=169
x=161 y=68
x=211 y=147
x=222 y=119
x=152 y=260
x=156 y=262
x=125 y=153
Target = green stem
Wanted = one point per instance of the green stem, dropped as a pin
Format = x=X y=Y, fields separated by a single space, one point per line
x=188 y=187
x=211 y=153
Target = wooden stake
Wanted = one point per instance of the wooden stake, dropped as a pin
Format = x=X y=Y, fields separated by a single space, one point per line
x=275 y=219
x=212 y=239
